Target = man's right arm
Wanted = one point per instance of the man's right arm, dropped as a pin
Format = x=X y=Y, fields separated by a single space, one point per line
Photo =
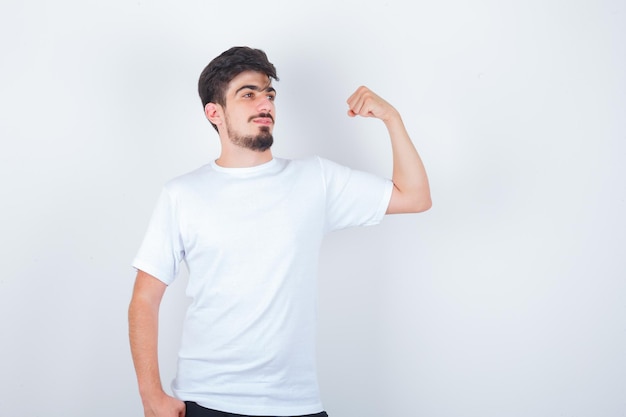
x=143 y=323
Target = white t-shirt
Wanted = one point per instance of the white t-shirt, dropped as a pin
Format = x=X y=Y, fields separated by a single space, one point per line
x=251 y=239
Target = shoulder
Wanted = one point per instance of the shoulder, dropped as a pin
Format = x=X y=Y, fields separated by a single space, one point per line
x=318 y=167
x=315 y=162
x=187 y=182
x=191 y=176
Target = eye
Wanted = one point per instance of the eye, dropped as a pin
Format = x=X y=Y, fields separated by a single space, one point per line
x=248 y=95
x=271 y=97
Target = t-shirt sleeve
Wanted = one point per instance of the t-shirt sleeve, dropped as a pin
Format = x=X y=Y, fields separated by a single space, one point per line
x=353 y=198
x=162 y=249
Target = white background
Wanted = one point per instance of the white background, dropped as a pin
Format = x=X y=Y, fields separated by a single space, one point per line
x=507 y=298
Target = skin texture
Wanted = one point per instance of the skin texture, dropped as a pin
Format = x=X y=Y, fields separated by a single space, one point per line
x=245 y=124
x=411 y=193
x=143 y=319
x=249 y=96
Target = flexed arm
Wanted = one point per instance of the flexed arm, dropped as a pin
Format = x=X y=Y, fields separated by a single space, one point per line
x=411 y=192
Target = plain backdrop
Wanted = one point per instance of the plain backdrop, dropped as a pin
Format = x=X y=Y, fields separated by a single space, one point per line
x=507 y=298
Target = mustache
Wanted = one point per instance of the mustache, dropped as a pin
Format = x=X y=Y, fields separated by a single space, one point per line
x=265 y=115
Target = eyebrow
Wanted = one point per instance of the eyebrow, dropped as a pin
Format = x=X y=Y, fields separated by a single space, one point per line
x=255 y=88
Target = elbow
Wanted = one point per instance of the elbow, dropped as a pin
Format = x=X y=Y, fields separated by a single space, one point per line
x=409 y=203
x=423 y=205
x=420 y=199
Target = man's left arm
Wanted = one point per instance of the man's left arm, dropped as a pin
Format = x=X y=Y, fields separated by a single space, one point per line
x=411 y=191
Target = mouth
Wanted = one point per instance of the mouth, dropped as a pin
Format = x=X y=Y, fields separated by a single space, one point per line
x=262 y=119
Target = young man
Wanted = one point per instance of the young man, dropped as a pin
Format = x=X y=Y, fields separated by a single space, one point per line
x=249 y=226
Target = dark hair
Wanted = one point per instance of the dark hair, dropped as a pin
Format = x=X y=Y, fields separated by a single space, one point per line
x=216 y=76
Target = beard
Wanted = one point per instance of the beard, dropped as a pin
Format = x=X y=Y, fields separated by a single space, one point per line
x=260 y=142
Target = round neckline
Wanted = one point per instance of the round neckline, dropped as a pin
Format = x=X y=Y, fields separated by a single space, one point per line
x=245 y=170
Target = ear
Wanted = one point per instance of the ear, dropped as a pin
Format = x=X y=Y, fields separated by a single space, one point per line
x=213 y=113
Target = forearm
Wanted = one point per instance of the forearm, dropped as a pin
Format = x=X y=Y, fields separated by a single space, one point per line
x=143 y=333
x=409 y=174
x=411 y=193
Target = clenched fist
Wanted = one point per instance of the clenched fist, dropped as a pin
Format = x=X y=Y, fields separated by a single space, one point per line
x=365 y=103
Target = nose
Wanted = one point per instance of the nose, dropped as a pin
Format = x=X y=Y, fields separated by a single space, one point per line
x=265 y=105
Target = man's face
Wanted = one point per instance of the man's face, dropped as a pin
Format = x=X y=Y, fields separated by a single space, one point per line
x=249 y=111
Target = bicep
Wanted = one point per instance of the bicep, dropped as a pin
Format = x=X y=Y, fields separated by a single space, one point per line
x=148 y=288
x=407 y=202
x=396 y=202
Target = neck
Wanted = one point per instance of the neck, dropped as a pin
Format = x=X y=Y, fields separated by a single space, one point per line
x=243 y=158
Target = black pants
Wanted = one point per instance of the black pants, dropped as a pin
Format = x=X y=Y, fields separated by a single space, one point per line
x=195 y=410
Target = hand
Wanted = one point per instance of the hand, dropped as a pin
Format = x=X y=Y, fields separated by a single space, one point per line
x=164 y=406
x=367 y=104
